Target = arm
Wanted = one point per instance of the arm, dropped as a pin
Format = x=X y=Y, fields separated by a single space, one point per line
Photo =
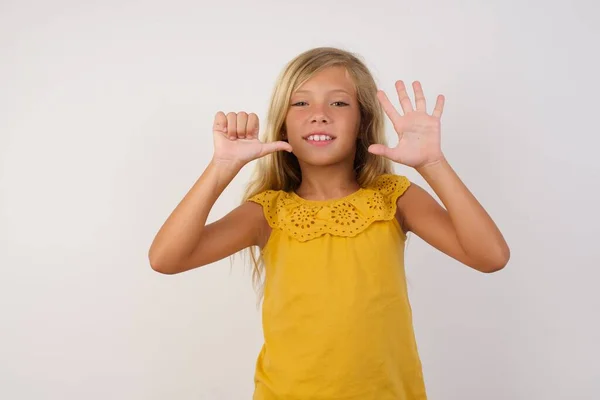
x=463 y=230
x=184 y=242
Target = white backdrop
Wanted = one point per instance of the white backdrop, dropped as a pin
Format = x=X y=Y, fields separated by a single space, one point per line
x=106 y=111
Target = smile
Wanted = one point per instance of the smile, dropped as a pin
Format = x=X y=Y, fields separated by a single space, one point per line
x=319 y=140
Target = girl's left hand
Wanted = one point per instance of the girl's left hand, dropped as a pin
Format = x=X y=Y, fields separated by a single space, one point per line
x=419 y=141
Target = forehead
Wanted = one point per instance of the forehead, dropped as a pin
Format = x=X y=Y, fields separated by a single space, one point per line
x=329 y=79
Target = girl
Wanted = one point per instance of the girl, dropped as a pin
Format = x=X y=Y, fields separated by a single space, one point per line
x=330 y=219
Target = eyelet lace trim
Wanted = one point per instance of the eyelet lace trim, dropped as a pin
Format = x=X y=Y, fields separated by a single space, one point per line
x=307 y=219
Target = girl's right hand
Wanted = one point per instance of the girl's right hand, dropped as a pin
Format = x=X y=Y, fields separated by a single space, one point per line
x=236 y=141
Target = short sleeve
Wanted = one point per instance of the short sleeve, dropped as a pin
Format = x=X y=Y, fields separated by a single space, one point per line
x=269 y=200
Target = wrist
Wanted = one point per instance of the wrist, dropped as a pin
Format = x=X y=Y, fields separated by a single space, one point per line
x=432 y=166
x=226 y=166
x=225 y=170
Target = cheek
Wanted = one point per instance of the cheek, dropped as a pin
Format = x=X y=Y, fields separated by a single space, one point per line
x=290 y=120
x=293 y=124
x=351 y=123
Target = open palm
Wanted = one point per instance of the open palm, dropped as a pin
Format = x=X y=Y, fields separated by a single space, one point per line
x=419 y=133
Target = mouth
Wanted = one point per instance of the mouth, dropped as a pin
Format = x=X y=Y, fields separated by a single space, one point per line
x=319 y=138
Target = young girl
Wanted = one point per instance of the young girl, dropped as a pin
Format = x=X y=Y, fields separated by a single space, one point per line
x=330 y=219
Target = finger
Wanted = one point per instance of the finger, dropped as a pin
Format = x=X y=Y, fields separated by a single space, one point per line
x=420 y=102
x=242 y=120
x=403 y=97
x=252 y=127
x=380 y=150
x=271 y=147
x=439 y=106
x=232 y=125
x=220 y=122
x=388 y=107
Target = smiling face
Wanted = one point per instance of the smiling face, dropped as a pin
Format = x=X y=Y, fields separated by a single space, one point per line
x=323 y=119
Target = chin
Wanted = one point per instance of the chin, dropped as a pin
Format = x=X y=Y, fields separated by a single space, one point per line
x=323 y=159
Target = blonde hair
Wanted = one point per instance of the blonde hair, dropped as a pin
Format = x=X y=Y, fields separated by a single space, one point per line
x=281 y=170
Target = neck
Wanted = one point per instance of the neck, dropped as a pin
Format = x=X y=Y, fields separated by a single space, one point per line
x=327 y=182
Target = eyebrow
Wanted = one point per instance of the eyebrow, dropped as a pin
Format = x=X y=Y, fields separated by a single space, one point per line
x=331 y=91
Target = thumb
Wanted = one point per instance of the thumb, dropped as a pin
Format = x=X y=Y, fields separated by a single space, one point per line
x=271 y=147
x=380 y=150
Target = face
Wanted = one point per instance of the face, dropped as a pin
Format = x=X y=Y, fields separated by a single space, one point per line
x=323 y=119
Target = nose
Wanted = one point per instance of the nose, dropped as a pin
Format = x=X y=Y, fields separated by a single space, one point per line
x=319 y=115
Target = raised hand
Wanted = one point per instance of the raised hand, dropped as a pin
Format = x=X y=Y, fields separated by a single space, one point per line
x=419 y=142
x=236 y=141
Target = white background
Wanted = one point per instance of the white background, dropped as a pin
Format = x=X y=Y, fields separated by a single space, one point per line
x=105 y=116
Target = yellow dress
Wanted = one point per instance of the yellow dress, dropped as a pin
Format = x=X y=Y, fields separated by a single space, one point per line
x=336 y=316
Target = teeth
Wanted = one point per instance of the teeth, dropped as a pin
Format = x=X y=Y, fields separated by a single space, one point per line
x=318 y=138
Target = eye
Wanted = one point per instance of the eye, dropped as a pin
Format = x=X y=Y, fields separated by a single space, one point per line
x=340 y=103
x=300 y=103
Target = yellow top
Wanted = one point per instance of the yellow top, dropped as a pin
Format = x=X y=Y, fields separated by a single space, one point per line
x=337 y=320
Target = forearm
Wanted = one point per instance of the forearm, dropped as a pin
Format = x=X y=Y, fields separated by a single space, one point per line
x=477 y=233
x=180 y=233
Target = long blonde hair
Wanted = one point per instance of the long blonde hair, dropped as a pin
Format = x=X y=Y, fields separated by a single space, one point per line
x=281 y=170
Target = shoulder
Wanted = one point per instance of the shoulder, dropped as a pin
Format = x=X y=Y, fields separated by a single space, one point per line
x=395 y=190
x=266 y=197
x=262 y=209
x=270 y=202
x=390 y=186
